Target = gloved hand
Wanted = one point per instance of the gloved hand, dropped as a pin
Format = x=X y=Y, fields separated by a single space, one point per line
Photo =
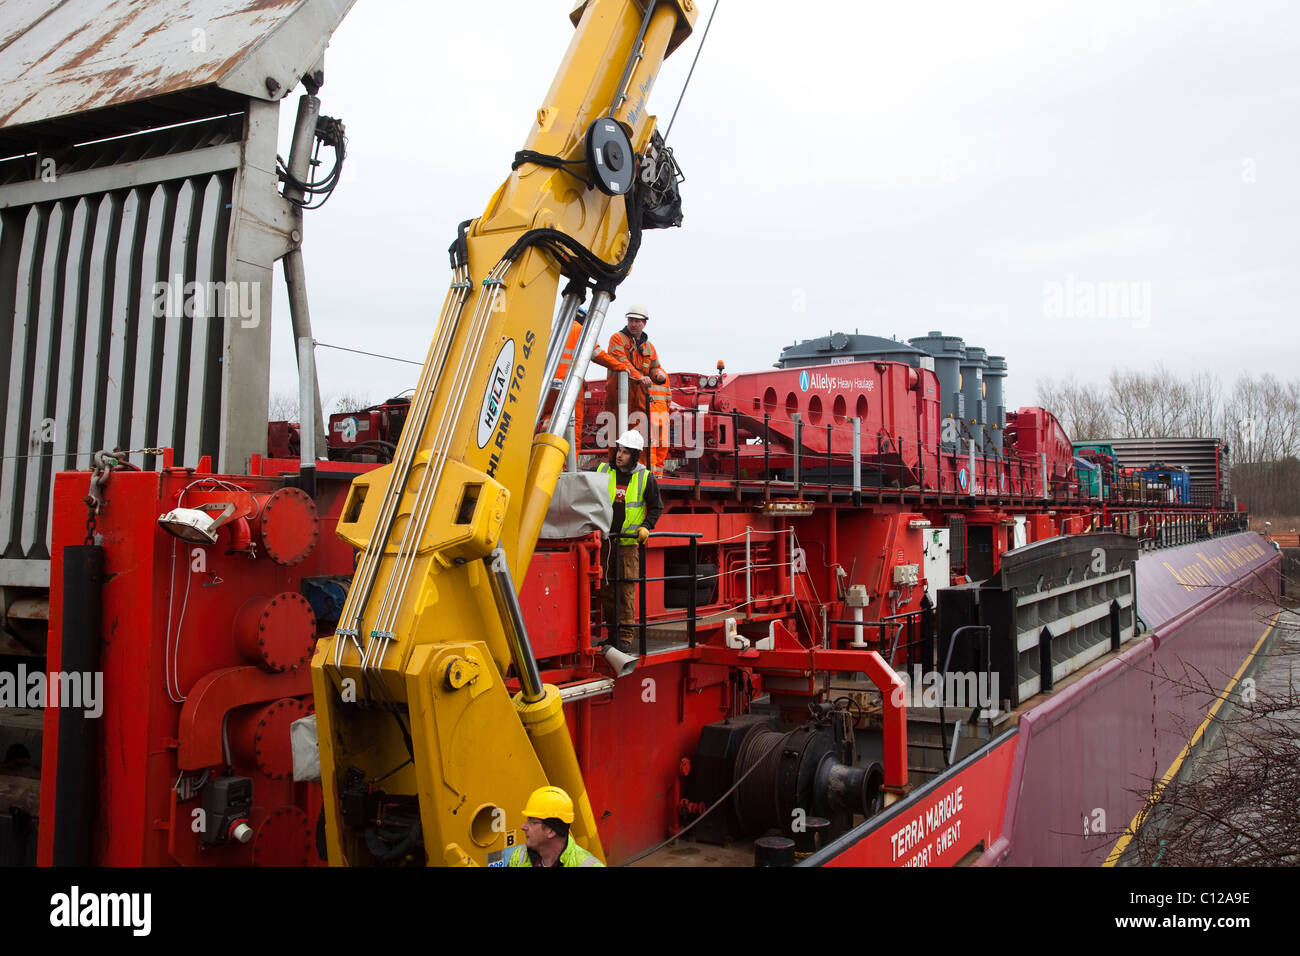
x=642 y=534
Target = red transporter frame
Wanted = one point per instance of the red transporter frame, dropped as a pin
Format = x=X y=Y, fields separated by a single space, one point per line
x=799 y=421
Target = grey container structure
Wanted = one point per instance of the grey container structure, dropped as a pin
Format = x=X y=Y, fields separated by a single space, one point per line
x=1204 y=458
x=138 y=148
x=947 y=352
x=842 y=348
x=994 y=377
x=974 y=416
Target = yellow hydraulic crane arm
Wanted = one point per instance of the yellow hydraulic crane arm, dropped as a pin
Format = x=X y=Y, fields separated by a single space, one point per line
x=424 y=755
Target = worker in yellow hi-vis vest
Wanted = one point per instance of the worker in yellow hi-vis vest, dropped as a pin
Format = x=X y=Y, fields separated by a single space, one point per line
x=637 y=507
x=547 y=840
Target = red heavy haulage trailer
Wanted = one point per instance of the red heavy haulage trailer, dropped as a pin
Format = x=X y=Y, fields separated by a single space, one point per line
x=785 y=592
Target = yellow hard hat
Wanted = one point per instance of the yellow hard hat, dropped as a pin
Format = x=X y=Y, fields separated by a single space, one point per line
x=550 y=802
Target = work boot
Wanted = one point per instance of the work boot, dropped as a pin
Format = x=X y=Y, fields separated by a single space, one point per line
x=625 y=645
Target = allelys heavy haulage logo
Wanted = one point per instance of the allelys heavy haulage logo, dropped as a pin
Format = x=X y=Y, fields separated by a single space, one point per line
x=826 y=383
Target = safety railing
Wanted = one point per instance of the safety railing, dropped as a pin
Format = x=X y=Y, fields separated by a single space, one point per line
x=692 y=578
x=776 y=453
x=782 y=462
x=1164 y=529
x=910 y=633
x=615 y=582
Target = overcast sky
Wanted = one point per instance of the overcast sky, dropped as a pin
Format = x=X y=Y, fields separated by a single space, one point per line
x=1073 y=186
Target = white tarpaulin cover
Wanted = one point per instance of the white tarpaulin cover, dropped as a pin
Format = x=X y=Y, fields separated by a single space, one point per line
x=306 y=751
x=579 y=506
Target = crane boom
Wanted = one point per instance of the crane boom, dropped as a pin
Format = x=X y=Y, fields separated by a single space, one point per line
x=421 y=744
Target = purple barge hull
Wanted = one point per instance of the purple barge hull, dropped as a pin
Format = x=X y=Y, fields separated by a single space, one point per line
x=1064 y=785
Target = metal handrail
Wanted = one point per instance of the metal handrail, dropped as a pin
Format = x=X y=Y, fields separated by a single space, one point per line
x=616 y=581
x=907 y=620
x=988 y=670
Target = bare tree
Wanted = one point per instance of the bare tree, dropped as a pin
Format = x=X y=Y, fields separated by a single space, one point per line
x=283 y=407
x=1092 y=412
x=351 y=402
x=1131 y=393
x=1162 y=404
x=1204 y=405
x=1263 y=415
x=1084 y=410
x=1169 y=395
x=1238 y=803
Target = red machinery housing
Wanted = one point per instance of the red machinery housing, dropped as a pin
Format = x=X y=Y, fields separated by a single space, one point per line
x=1034 y=432
x=370 y=434
x=206 y=660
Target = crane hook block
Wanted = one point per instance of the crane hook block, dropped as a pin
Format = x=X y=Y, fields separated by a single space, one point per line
x=610 y=157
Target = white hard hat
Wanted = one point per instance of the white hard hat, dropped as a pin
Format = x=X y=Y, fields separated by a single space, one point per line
x=639 y=311
x=631 y=439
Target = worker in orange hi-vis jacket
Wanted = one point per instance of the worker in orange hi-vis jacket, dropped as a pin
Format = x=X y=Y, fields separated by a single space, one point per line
x=630 y=351
x=661 y=398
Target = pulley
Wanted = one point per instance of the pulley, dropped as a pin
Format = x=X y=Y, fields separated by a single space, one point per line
x=610 y=157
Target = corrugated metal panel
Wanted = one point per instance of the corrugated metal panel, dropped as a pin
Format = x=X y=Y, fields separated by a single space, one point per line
x=96 y=361
x=203 y=390
x=46 y=302
x=117 y=271
x=144 y=391
x=172 y=360
x=88 y=434
x=75 y=335
x=1200 y=456
x=27 y=236
x=62 y=58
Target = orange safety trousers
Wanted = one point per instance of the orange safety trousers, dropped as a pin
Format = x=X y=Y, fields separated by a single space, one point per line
x=660 y=403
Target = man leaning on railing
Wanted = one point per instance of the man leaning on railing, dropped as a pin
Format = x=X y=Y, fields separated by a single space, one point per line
x=637 y=507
